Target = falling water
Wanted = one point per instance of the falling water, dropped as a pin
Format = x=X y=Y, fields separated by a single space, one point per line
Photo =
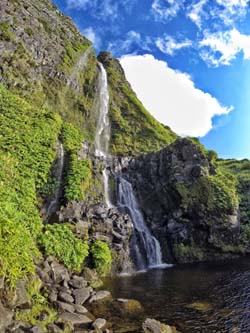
x=54 y=202
x=146 y=247
x=103 y=129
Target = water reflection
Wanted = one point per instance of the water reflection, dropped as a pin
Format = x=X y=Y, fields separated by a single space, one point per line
x=204 y=298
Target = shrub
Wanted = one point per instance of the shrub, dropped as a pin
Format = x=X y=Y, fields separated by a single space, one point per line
x=58 y=240
x=78 y=179
x=71 y=137
x=101 y=257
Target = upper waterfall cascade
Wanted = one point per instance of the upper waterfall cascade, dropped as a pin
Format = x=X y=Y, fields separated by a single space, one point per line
x=54 y=202
x=103 y=129
x=146 y=247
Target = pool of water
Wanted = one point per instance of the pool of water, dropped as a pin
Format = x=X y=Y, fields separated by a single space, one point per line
x=200 y=298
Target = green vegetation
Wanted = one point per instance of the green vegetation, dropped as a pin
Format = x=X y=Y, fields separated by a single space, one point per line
x=241 y=170
x=188 y=253
x=79 y=172
x=78 y=179
x=215 y=194
x=134 y=130
x=101 y=257
x=40 y=313
x=27 y=138
x=71 y=54
x=5 y=32
x=58 y=240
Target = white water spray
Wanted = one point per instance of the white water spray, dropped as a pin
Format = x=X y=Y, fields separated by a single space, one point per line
x=146 y=247
x=103 y=129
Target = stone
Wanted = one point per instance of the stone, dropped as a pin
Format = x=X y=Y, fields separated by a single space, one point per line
x=18 y=298
x=1 y=282
x=81 y=295
x=59 y=272
x=78 y=282
x=6 y=317
x=65 y=307
x=99 y=323
x=80 y=308
x=128 y=307
x=36 y=329
x=65 y=297
x=154 y=326
x=53 y=296
x=53 y=328
x=100 y=295
x=75 y=319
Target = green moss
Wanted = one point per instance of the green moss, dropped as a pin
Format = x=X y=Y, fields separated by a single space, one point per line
x=71 y=137
x=57 y=238
x=39 y=314
x=5 y=32
x=188 y=252
x=101 y=257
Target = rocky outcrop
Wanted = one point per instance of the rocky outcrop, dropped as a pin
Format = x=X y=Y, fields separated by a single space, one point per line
x=185 y=204
x=105 y=224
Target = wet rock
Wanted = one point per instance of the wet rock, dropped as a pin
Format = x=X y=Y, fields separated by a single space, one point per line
x=59 y=272
x=5 y=317
x=100 y=295
x=75 y=319
x=128 y=307
x=153 y=326
x=81 y=295
x=99 y=323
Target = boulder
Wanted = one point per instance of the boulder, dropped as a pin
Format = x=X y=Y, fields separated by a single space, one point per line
x=59 y=272
x=75 y=319
x=100 y=296
x=154 y=326
x=65 y=307
x=65 y=297
x=6 y=317
x=78 y=282
x=99 y=323
x=81 y=295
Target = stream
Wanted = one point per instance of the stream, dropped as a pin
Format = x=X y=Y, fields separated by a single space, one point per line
x=197 y=298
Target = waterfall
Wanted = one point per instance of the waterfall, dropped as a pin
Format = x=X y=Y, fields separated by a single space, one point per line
x=146 y=247
x=54 y=202
x=103 y=129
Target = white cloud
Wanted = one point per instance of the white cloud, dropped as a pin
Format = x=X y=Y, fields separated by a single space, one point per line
x=92 y=36
x=171 y=96
x=230 y=10
x=107 y=10
x=166 y=9
x=169 y=45
x=222 y=47
x=196 y=12
x=132 y=40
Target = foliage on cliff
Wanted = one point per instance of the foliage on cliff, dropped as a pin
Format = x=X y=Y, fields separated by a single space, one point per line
x=27 y=138
x=133 y=129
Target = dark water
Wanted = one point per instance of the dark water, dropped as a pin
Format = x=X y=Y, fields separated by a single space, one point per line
x=203 y=298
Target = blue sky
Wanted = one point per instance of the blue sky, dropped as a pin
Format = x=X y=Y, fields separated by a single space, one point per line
x=188 y=61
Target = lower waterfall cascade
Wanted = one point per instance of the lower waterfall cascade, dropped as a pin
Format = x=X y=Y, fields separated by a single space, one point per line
x=146 y=247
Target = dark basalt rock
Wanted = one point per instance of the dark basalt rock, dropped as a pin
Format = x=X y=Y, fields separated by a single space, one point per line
x=174 y=190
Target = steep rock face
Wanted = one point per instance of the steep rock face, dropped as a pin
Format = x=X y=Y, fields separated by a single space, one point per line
x=187 y=206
